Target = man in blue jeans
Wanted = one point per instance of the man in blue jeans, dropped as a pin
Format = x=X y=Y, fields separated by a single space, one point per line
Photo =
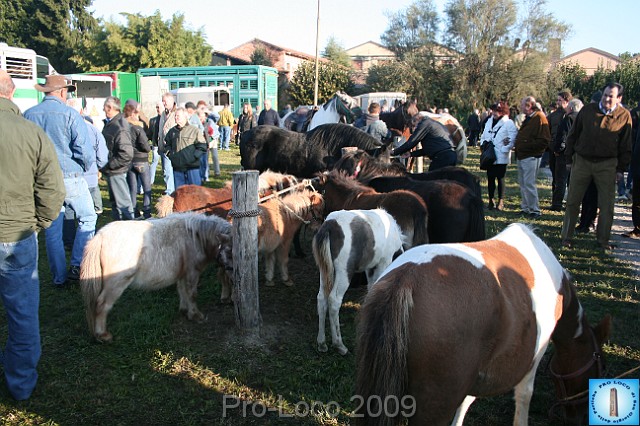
x=32 y=191
x=66 y=128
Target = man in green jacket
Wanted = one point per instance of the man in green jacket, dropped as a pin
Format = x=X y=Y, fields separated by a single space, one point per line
x=31 y=195
x=598 y=147
x=184 y=145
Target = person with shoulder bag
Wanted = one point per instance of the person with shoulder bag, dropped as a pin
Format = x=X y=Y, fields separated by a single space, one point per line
x=498 y=138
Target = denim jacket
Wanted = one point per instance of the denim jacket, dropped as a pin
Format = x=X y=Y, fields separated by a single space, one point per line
x=101 y=155
x=66 y=128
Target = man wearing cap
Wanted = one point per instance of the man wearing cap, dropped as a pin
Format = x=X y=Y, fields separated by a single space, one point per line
x=76 y=155
x=32 y=192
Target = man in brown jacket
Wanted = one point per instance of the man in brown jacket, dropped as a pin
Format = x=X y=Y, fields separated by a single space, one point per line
x=598 y=147
x=532 y=140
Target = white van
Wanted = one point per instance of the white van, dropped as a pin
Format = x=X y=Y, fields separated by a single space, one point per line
x=385 y=99
x=215 y=96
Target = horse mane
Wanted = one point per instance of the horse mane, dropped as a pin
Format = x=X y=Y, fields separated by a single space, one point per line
x=301 y=201
x=369 y=167
x=206 y=229
x=337 y=131
x=347 y=184
x=273 y=180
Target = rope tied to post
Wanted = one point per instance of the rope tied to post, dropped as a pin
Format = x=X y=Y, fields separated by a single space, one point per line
x=248 y=213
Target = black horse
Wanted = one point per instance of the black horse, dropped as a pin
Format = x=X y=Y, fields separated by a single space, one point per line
x=365 y=168
x=303 y=154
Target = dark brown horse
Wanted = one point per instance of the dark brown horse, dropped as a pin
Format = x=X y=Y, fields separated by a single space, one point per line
x=448 y=323
x=399 y=121
x=364 y=167
x=340 y=192
x=455 y=213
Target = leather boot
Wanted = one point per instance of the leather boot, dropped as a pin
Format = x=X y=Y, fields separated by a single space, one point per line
x=491 y=205
x=500 y=205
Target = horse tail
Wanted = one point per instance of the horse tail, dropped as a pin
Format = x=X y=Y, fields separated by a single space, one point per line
x=91 y=278
x=420 y=227
x=321 y=246
x=164 y=206
x=382 y=348
x=476 y=229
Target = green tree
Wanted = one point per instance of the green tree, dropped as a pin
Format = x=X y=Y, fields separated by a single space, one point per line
x=331 y=78
x=53 y=28
x=260 y=56
x=143 y=42
x=411 y=28
x=504 y=57
x=334 y=52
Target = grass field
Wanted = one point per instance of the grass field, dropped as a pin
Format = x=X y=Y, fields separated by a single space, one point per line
x=164 y=370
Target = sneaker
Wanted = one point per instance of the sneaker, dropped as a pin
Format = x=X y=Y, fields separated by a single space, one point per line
x=635 y=234
x=74 y=273
x=534 y=215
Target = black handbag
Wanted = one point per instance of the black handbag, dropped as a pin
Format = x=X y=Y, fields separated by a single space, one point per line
x=488 y=156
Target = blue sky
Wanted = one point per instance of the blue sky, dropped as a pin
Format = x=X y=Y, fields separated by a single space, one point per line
x=293 y=24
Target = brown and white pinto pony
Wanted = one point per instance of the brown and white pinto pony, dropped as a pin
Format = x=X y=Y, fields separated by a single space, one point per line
x=350 y=241
x=340 y=192
x=279 y=221
x=217 y=201
x=447 y=323
x=151 y=255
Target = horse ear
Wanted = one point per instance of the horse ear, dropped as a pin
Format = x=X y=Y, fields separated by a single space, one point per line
x=603 y=329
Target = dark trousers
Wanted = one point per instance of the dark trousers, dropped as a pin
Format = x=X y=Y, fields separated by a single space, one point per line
x=559 y=184
x=496 y=172
x=443 y=159
x=589 y=206
x=635 y=206
x=140 y=173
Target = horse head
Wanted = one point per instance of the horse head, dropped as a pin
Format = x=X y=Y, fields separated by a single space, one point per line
x=346 y=106
x=578 y=357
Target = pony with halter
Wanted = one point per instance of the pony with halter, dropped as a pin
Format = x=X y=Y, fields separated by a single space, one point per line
x=447 y=323
x=400 y=120
x=301 y=154
x=407 y=208
x=279 y=221
x=153 y=254
x=350 y=241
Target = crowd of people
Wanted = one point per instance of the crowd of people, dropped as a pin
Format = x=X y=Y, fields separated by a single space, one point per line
x=52 y=157
x=588 y=148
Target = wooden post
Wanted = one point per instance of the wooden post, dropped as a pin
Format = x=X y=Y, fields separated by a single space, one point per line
x=245 y=251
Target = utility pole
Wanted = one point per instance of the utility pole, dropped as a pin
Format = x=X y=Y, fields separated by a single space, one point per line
x=315 y=90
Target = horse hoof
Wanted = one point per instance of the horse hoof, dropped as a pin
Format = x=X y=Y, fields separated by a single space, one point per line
x=225 y=301
x=288 y=283
x=196 y=316
x=270 y=284
x=322 y=347
x=342 y=350
x=104 y=338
